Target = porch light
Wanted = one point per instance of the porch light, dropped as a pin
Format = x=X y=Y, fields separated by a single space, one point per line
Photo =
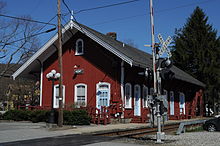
x=78 y=71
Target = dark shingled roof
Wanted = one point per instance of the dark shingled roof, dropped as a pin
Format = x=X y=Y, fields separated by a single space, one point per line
x=141 y=58
x=129 y=54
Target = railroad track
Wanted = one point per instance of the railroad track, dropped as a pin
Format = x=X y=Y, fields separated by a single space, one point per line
x=138 y=132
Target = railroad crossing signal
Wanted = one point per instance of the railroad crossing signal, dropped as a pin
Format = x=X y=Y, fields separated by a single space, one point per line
x=164 y=45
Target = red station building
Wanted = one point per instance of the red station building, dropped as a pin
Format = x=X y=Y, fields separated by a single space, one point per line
x=100 y=71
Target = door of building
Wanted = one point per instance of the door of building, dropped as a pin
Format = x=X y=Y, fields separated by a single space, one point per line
x=103 y=95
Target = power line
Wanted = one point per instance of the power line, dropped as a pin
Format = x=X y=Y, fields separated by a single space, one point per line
x=47 y=23
x=159 y=11
x=183 y=6
x=66 y=6
x=19 y=18
x=72 y=15
x=118 y=19
x=106 y=6
x=47 y=31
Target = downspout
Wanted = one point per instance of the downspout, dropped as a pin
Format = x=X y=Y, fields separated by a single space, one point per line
x=41 y=85
x=122 y=87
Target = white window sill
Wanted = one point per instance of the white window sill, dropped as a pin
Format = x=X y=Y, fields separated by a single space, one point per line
x=78 y=54
x=128 y=107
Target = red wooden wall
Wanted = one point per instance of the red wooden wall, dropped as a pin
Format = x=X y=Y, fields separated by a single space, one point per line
x=100 y=65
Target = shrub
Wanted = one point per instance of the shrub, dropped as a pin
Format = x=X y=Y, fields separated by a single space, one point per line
x=76 y=117
x=39 y=116
x=17 y=115
x=194 y=129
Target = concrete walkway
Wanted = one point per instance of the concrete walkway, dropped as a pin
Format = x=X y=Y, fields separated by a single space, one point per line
x=16 y=131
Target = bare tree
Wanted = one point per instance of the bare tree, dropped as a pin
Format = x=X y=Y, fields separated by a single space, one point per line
x=17 y=40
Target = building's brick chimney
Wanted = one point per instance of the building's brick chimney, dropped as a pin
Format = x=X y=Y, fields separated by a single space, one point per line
x=112 y=35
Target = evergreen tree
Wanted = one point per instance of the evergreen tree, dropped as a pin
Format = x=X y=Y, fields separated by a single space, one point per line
x=196 y=50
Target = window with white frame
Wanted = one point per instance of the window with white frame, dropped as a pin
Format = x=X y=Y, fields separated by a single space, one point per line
x=145 y=96
x=137 y=91
x=80 y=94
x=182 y=103
x=128 y=95
x=79 y=47
x=56 y=96
x=171 y=103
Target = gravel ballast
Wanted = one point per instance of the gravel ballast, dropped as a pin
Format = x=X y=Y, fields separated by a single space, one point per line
x=203 y=138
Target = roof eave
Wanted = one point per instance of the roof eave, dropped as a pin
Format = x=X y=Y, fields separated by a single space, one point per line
x=38 y=53
x=55 y=37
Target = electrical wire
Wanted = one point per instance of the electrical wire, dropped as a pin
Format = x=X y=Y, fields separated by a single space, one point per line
x=72 y=15
x=118 y=19
x=183 y=6
x=66 y=6
x=47 y=23
x=106 y=6
x=47 y=31
x=19 y=18
x=159 y=11
x=95 y=8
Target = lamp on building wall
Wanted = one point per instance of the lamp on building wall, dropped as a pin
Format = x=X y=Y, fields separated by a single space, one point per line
x=52 y=76
x=78 y=71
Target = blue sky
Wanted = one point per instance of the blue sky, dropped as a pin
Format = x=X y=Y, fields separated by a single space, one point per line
x=130 y=21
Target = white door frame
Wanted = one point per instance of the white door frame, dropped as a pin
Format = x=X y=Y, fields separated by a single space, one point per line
x=55 y=99
x=97 y=92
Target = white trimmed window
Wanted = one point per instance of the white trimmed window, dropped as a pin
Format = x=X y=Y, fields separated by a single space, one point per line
x=171 y=103
x=182 y=103
x=145 y=96
x=56 y=96
x=80 y=94
x=128 y=95
x=79 y=47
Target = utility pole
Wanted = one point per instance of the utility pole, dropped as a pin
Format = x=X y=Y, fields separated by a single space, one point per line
x=156 y=75
x=153 y=45
x=60 y=66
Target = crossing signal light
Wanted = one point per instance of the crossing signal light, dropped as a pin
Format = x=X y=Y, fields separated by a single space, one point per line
x=167 y=74
x=166 y=63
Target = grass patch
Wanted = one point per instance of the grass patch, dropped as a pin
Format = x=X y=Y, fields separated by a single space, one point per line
x=194 y=129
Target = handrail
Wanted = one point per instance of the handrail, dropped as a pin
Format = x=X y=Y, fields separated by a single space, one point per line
x=183 y=124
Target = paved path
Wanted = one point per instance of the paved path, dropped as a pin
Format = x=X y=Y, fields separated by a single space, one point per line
x=17 y=131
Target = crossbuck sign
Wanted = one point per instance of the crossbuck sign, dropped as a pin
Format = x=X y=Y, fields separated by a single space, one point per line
x=164 y=45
